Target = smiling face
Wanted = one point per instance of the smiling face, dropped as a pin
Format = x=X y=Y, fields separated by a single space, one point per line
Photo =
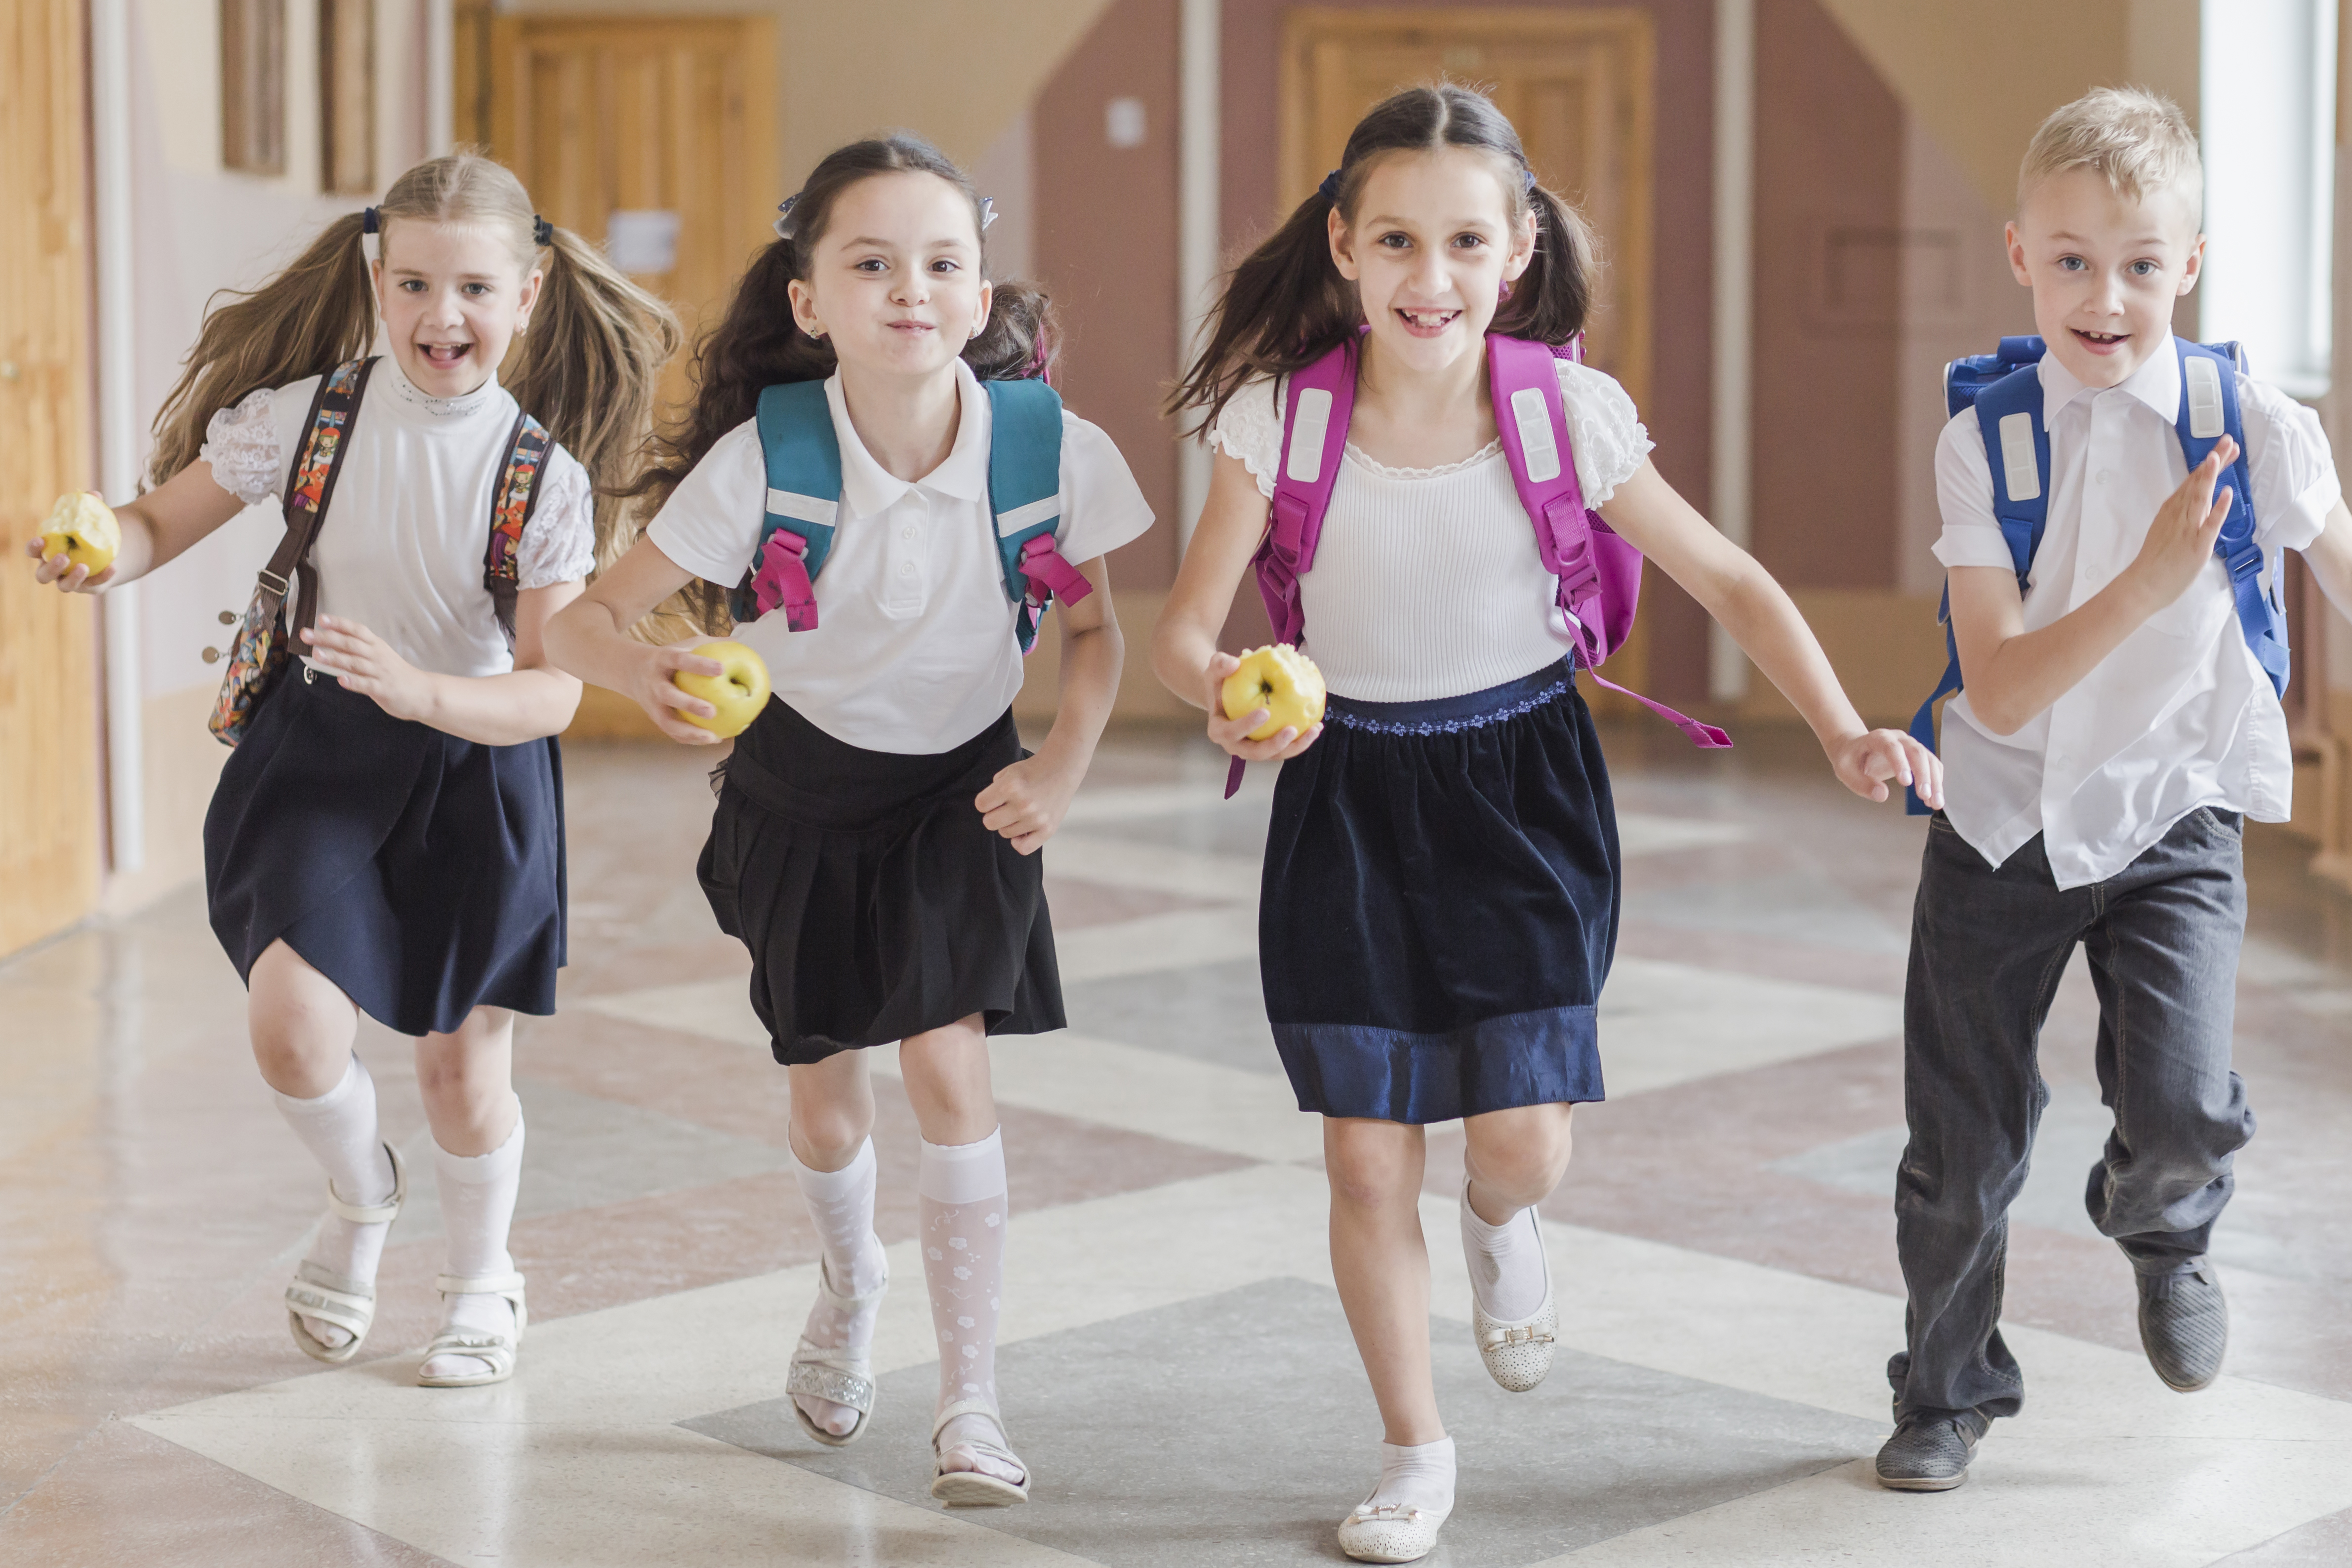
x=453 y=296
x=895 y=284
x=2104 y=271
x=1431 y=245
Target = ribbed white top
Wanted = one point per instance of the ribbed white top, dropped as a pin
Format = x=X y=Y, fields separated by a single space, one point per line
x=1427 y=583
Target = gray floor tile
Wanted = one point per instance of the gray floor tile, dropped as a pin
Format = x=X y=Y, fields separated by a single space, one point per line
x=1238 y=1429
x=1216 y=1012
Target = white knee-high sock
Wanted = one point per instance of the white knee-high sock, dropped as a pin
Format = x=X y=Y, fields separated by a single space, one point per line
x=841 y=1205
x=962 y=1212
x=1507 y=1263
x=478 y=1205
x=339 y=1130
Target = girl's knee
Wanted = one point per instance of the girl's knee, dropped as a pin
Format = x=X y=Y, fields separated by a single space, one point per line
x=1372 y=1166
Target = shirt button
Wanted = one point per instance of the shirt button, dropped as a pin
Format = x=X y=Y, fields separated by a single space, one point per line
x=906 y=568
x=906 y=534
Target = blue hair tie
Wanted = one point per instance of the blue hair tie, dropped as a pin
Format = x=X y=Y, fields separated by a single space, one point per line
x=784 y=216
x=372 y=221
x=1329 y=188
x=1530 y=176
x=987 y=213
x=542 y=232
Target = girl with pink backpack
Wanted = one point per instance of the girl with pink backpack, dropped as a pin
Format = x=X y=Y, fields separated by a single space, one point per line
x=1449 y=514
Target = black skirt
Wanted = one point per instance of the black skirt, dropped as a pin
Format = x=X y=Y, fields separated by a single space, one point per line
x=422 y=873
x=874 y=903
x=1440 y=904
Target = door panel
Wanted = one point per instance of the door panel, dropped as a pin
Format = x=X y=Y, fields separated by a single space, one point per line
x=48 y=686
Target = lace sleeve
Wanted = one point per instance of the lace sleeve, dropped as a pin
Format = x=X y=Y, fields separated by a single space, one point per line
x=241 y=444
x=1250 y=428
x=1605 y=429
x=560 y=545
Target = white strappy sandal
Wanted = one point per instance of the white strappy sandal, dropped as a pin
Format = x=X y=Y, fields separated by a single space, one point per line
x=976 y=1488
x=318 y=1291
x=838 y=1375
x=496 y=1350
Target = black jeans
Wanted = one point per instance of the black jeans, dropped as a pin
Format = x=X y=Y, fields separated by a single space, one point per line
x=1988 y=946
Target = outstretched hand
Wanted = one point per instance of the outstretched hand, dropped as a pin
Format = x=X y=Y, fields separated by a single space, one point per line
x=1232 y=734
x=2180 y=539
x=1868 y=763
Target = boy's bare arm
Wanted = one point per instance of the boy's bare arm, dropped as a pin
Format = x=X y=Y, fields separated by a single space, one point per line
x=2012 y=674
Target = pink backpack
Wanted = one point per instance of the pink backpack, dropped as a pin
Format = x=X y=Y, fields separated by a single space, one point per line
x=1600 y=574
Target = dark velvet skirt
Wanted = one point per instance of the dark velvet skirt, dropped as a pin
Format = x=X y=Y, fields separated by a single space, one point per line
x=1440 y=904
x=424 y=874
x=874 y=903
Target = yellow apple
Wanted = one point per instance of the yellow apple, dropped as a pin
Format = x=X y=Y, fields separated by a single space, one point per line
x=1281 y=680
x=82 y=529
x=739 y=692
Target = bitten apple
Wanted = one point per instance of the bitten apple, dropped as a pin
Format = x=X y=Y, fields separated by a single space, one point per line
x=739 y=691
x=82 y=529
x=1281 y=680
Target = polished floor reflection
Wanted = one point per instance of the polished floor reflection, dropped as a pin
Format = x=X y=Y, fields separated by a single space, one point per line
x=1178 y=1370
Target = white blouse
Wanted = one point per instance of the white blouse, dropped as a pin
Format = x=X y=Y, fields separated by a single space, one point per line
x=1427 y=582
x=400 y=550
x=914 y=649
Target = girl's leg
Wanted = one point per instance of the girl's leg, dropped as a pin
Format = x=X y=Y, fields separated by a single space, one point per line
x=1515 y=1159
x=466 y=1081
x=1381 y=1263
x=302 y=1027
x=963 y=1213
x=832 y=1162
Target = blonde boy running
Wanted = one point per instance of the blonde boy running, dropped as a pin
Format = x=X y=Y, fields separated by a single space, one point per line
x=2113 y=733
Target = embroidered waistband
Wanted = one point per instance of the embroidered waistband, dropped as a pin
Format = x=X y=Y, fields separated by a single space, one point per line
x=1453 y=716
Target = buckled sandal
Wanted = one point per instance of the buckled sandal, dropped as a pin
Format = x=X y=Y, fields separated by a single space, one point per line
x=318 y=1291
x=1390 y=1532
x=976 y=1488
x=497 y=1350
x=838 y=1375
x=1518 y=1353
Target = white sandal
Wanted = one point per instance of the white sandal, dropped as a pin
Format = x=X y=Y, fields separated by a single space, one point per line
x=318 y=1291
x=976 y=1488
x=840 y=1376
x=497 y=1350
x=1518 y=1353
x=1390 y=1532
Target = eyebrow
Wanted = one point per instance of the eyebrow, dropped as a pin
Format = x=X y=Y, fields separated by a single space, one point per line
x=1451 y=224
x=2141 y=240
x=462 y=277
x=867 y=242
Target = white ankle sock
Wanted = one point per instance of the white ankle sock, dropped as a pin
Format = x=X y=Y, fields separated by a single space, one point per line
x=1420 y=1476
x=477 y=1204
x=841 y=1203
x=1506 y=1262
x=962 y=1212
x=339 y=1130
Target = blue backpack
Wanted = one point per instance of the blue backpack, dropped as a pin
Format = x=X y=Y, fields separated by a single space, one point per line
x=804 y=462
x=2005 y=388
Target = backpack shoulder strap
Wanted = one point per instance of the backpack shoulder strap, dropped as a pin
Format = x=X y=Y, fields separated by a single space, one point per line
x=514 y=501
x=1321 y=400
x=802 y=456
x=1024 y=497
x=2209 y=410
x=1524 y=382
x=311 y=485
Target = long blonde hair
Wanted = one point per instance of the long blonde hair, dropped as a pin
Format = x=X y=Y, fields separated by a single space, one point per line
x=587 y=369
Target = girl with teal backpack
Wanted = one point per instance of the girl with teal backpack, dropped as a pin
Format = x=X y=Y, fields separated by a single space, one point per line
x=880 y=491
x=1446 y=506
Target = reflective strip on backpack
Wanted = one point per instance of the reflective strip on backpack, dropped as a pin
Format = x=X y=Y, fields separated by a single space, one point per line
x=1012 y=522
x=1311 y=424
x=1533 y=416
x=803 y=509
x=2021 y=469
x=2201 y=380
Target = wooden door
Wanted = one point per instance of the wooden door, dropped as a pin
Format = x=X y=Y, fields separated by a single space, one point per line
x=1580 y=86
x=600 y=115
x=48 y=649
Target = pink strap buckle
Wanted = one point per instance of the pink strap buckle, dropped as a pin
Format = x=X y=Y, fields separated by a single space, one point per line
x=1048 y=572
x=782 y=580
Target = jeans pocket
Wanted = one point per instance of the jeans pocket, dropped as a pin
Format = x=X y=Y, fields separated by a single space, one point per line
x=2230 y=825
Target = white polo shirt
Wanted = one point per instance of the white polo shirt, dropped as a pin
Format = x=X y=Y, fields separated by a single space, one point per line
x=2181 y=715
x=914 y=650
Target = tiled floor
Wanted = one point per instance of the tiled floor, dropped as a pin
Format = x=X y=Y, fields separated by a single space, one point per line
x=1178 y=1370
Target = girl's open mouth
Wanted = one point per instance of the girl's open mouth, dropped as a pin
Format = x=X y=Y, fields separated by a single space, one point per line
x=443 y=355
x=1426 y=323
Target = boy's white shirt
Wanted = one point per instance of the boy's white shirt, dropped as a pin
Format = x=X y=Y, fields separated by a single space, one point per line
x=2179 y=715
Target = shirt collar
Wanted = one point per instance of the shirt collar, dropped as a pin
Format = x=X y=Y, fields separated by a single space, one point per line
x=868 y=489
x=2155 y=384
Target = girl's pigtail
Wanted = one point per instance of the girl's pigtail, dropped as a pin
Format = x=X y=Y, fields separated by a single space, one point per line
x=1022 y=339
x=590 y=369
x=1284 y=307
x=316 y=313
x=1553 y=296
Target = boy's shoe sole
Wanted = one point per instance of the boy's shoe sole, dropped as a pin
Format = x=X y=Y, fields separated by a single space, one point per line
x=1930 y=1450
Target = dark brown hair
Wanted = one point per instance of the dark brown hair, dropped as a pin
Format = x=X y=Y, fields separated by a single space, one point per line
x=1285 y=306
x=757 y=344
x=587 y=369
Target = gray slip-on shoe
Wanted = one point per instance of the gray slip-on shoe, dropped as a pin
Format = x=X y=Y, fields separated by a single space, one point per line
x=1930 y=1450
x=2184 y=1325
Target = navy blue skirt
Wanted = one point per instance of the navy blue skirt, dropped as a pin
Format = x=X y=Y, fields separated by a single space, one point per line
x=422 y=873
x=875 y=903
x=1440 y=904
